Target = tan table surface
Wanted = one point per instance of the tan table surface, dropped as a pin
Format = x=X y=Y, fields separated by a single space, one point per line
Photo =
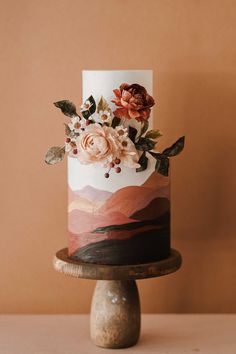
x=164 y=334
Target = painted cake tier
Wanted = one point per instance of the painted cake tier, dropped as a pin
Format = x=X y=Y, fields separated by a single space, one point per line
x=126 y=226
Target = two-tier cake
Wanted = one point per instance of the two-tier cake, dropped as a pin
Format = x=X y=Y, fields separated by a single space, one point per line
x=119 y=188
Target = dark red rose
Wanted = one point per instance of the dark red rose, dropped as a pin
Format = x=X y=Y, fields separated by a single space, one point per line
x=133 y=102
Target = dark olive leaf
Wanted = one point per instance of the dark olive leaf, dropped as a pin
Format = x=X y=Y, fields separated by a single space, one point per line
x=158 y=162
x=115 y=122
x=143 y=161
x=156 y=155
x=162 y=166
x=145 y=125
x=70 y=133
x=132 y=133
x=54 y=155
x=153 y=134
x=175 y=149
x=67 y=129
x=86 y=114
x=145 y=144
x=67 y=107
x=92 y=109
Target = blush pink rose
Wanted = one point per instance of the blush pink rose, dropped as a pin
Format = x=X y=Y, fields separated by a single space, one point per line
x=103 y=144
x=133 y=102
x=97 y=144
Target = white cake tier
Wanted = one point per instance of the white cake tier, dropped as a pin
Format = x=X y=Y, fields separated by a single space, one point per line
x=97 y=83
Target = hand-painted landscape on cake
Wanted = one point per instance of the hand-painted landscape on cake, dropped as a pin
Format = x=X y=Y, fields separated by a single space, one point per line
x=108 y=227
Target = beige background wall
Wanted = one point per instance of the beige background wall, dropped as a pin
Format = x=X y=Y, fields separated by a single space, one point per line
x=191 y=47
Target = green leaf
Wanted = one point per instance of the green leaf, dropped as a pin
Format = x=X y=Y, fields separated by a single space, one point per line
x=145 y=144
x=175 y=149
x=67 y=107
x=132 y=133
x=153 y=134
x=115 y=122
x=162 y=159
x=55 y=154
x=102 y=105
x=145 y=125
x=162 y=166
x=143 y=161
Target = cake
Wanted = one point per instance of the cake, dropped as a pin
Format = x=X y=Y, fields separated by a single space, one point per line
x=118 y=181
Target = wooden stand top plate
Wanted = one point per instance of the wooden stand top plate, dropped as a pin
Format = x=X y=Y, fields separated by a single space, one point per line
x=62 y=263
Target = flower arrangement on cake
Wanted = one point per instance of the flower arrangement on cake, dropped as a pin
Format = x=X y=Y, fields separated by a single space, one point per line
x=114 y=138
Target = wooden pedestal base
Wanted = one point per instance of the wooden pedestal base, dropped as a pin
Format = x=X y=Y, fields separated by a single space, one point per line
x=115 y=314
x=115 y=310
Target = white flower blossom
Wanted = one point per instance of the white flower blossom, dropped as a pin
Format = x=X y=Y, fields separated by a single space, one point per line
x=85 y=106
x=105 y=116
x=77 y=125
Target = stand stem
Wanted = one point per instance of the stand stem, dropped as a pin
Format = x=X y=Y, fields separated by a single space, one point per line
x=115 y=314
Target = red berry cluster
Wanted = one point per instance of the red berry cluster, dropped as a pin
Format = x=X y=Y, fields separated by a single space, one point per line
x=73 y=145
x=113 y=165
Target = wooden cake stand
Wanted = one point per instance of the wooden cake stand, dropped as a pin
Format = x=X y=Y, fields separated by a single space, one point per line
x=115 y=312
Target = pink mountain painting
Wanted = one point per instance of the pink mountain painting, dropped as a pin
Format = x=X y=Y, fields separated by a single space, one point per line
x=130 y=225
